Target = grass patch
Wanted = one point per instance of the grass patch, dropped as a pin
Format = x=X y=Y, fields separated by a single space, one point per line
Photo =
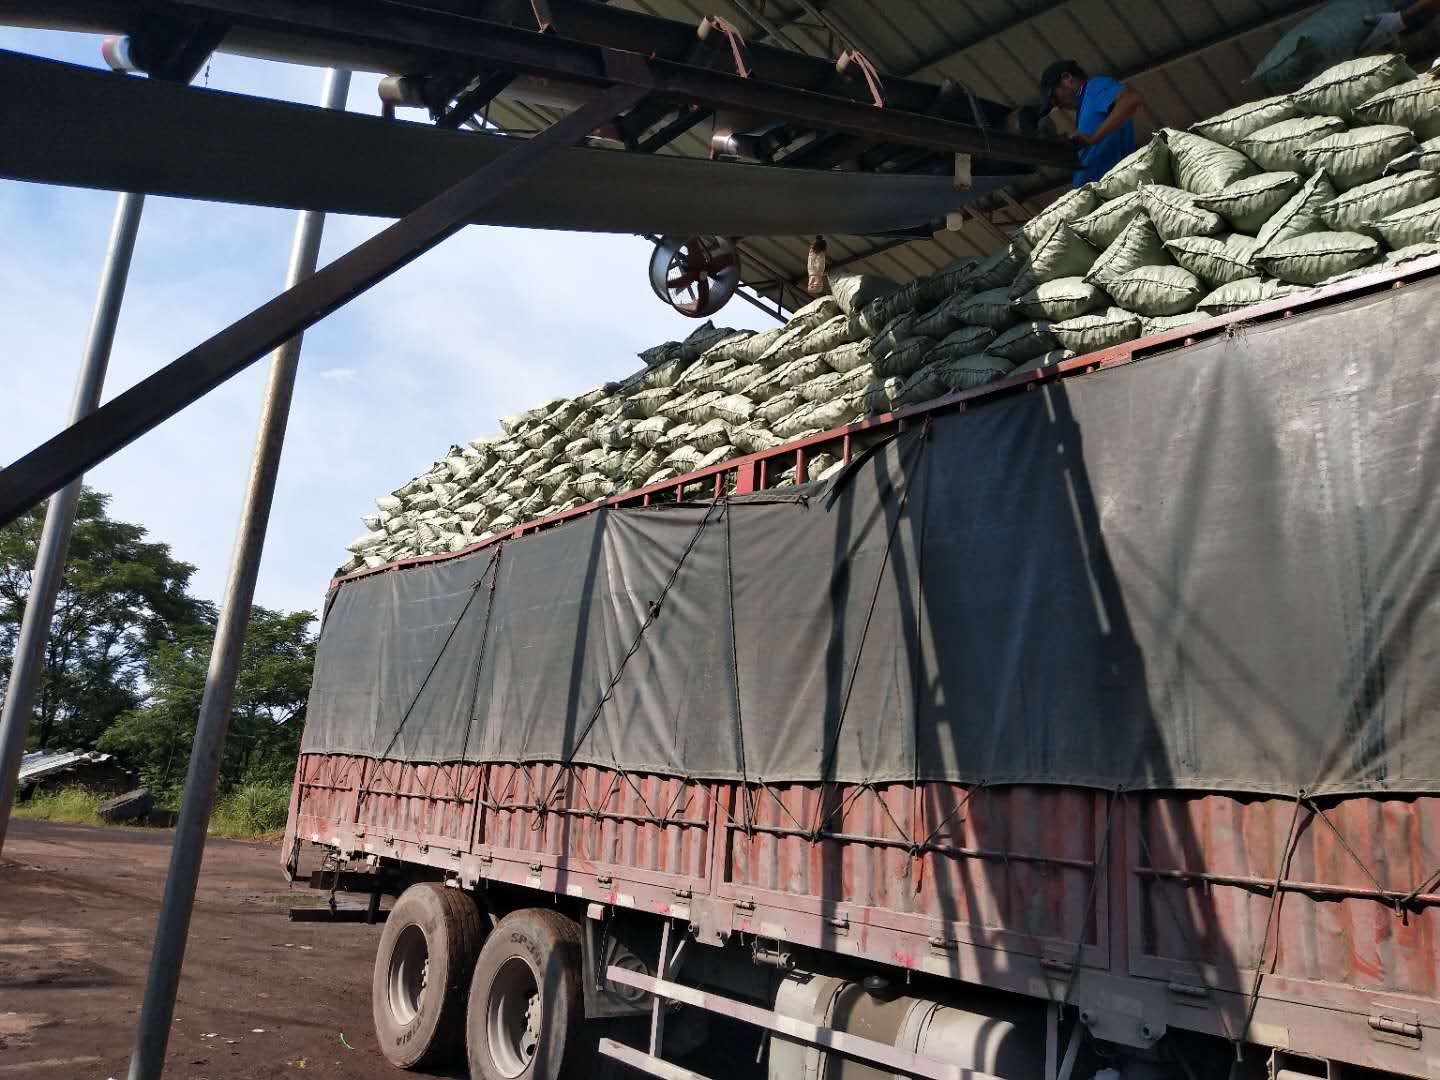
x=251 y=812
x=76 y=805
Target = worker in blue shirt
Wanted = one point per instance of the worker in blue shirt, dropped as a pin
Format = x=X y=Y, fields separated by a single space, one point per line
x=1104 y=115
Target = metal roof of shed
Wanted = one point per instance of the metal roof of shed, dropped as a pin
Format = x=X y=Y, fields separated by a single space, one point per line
x=1188 y=60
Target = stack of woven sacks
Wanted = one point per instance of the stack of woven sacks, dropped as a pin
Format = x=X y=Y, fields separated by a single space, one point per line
x=1262 y=201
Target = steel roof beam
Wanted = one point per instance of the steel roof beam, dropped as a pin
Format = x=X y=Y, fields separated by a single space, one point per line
x=782 y=85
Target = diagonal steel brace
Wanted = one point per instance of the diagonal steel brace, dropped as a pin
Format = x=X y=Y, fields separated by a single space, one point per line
x=184 y=381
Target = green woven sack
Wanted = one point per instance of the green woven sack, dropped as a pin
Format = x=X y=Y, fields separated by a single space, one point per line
x=1248 y=204
x=1203 y=167
x=846 y=358
x=1416 y=225
x=1216 y=260
x=1356 y=156
x=1000 y=266
x=967 y=340
x=1063 y=298
x=1062 y=253
x=1412 y=252
x=989 y=308
x=1100 y=227
x=1233 y=125
x=1028 y=339
x=1099 y=330
x=1276 y=148
x=943 y=319
x=1072 y=206
x=1163 y=324
x=1175 y=214
x=1139 y=244
x=925 y=385
x=1339 y=90
x=1243 y=294
x=905 y=360
x=1301 y=214
x=968 y=372
x=1424 y=156
x=1330 y=35
x=1157 y=290
x=1148 y=165
x=1358 y=208
x=1049 y=359
x=1310 y=259
x=1414 y=104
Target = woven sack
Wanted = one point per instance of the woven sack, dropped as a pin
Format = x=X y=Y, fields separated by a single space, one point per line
x=849 y=356
x=1358 y=208
x=1000 y=267
x=900 y=328
x=967 y=372
x=735 y=380
x=1339 y=90
x=967 y=340
x=683 y=459
x=1063 y=298
x=753 y=438
x=1277 y=148
x=1424 y=156
x=1098 y=330
x=1150 y=291
x=1071 y=206
x=1148 y=165
x=1100 y=227
x=822 y=387
x=990 y=308
x=698 y=408
x=944 y=318
x=1415 y=225
x=1216 y=260
x=1411 y=252
x=1328 y=36
x=883 y=396
x=1044 y=360
x=778 y=407
x=822 y=415
x=1138 y=245
x=1248 y=204
x=732 y=408
x=1060 y=253
x=1175 y=214
x=1021 y=342
x=1162 y=324
x=1353 y=157
x=852 y=292
x=1231 y=126
x=1414 y=104
x=1301 y=214
x=905 y=360
x=1242 y=294
x=649 y=402
x=835 y=332
x=709 y=435
x=1203 y=167
x=925 y=385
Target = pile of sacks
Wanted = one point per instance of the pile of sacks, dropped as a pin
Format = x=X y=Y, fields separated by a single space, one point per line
x=1264 y=200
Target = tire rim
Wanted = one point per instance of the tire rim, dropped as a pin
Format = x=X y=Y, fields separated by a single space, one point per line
x=409 y=972
x=513 y=1016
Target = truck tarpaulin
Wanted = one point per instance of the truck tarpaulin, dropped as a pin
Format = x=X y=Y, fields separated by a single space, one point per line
x=1213 y=569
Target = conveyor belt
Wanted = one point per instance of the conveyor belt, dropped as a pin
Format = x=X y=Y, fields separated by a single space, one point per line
x=72 y=125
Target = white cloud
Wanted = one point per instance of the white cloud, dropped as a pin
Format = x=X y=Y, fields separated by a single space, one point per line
x=489 y=323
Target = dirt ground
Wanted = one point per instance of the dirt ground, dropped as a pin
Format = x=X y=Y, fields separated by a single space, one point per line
x=260 y=996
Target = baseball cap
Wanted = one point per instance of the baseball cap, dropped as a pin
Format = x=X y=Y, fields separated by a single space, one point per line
x=1050 y=78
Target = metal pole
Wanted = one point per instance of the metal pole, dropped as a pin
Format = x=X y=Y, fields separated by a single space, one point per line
x=173 y=927
x=29 y=658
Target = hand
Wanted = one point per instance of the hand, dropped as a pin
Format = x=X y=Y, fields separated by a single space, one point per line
x=1386 y=29
x=1079 y=140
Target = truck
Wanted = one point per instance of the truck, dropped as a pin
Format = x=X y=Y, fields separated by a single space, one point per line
x=1083 y=725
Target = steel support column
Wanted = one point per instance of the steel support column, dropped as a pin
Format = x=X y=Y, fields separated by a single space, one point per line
x=160 y=396
x=29 y=659
x=417 y=233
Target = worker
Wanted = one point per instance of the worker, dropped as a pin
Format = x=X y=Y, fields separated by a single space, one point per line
x=1104 y=115
x=1387 y=29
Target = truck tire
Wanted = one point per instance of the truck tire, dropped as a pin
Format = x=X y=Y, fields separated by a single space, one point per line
x=417 y=995
x=526 y=1019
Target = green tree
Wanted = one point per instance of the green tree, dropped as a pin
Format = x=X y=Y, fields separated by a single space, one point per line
x=267 y=716
x=122 y=598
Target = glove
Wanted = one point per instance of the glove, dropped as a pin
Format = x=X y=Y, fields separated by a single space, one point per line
x=1385 y=31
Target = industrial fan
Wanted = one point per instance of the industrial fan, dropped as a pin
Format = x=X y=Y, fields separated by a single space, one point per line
x=696 y=275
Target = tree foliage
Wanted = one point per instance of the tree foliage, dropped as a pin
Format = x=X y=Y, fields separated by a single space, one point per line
x=126 y=658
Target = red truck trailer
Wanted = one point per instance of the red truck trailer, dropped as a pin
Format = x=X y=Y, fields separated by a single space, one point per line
x=1087 y=721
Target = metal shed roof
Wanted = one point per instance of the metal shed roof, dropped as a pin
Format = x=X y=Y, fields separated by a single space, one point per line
x=1188 y=60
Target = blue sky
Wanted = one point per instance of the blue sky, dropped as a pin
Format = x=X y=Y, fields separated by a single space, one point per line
x=479 y=328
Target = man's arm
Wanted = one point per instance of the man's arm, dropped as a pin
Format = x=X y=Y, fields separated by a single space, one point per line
x=1388 y=28
x=1127 y=104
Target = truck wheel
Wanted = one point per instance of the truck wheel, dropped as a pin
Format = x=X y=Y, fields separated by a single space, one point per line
x=525 y=1019
x=431 y=939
